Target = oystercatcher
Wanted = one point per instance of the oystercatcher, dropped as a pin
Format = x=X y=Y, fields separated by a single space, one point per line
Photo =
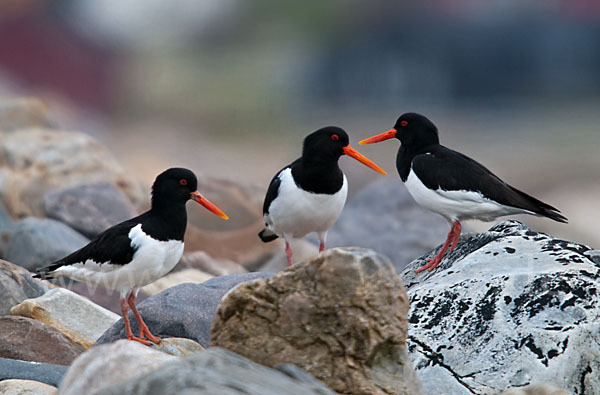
x=138 y=251
x=452 y=184
x=309 y=194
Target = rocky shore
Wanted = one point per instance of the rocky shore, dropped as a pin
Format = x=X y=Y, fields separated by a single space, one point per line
x=510 y=310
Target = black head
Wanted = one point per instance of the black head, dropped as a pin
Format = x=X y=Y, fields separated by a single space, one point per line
x=174 y=186
x=325 y=143
x=328 y=144
x=412 y=129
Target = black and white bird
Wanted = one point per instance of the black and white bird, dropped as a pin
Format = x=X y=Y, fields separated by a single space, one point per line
x=309 y=194
x=452 y=184
x=138 y=251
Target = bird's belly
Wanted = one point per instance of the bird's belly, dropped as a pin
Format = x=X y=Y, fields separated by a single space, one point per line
x=456 y=205
x=296 y=212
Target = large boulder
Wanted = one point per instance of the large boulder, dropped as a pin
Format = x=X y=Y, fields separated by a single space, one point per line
x=342 y=317
x=76 y=317
x=509 y=307
x=185 y=310
x=34 y=162
x=27 y=339
x=89 y=208
x=218 y=371
x=16 y=285
x=384 y=217
x=37 y=242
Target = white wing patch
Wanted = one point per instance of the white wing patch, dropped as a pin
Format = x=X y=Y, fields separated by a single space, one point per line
x=152 y=260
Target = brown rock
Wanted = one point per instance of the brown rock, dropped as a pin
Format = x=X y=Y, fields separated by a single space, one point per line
x=30 y=340
x=24 y=113
x=34 y=162
x=200 y=260
x=342 y=317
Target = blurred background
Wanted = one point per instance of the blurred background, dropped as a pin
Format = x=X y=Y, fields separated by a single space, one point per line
x=231 y=87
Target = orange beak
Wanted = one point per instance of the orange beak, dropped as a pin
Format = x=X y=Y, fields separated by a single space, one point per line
x=208 y=205
x=390 y=134
x=348 y=150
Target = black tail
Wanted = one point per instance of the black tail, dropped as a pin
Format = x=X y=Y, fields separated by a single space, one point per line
x=541 y=208
x=47 y=272
x=266 y=235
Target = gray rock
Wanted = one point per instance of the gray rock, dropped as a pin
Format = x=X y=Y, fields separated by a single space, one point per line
x=38 y=161
x=110 y=364
x=20 y=370
x=89 y=208
x=76 y=317
x=508 y=308
x=7 y=226
x=384 y=217
x=218 y=371
x=16 y=285
x=186 y=310
x=37 y=242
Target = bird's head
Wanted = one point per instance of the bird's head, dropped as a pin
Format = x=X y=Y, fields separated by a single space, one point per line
x=331 y=142
x=177 y=186
x=412 y=129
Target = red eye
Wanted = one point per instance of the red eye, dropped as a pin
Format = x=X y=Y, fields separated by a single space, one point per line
x=183 y=181
x=403 y=123
x=335 y=137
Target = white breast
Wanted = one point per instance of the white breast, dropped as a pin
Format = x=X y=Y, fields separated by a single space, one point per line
x=152 y=260
x=296 y=212
x=457 y=205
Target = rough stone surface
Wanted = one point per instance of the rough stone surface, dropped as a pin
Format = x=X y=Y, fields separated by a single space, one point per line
x=303 y=250
x=16 y=285
x=26 y=387
x=37 y=242
x=186 y=310
x=539 y=389
x=202 y=261
x=76 y=317
x=89 y=208
x=29 y=340
x=218 y=371
x=110 y=364
x=11 y=369
x=172 y=279
x=23 y=114
x=383 y=216
x=507 y=308
x=7 y=226
x=34 y=162
x=342 y=317
x=177 y=346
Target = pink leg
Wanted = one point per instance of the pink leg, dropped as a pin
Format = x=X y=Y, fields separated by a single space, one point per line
x=322 y=246
x=128 y=327
x=452 y=238
x=144 y=331
x=288 y=253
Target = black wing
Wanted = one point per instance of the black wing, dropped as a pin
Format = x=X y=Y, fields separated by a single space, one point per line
x=111 y=246
x=273 y=189
x=443 y=168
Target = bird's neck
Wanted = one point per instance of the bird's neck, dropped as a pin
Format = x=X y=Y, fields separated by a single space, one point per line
x=318 y=175
x=405 y=156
